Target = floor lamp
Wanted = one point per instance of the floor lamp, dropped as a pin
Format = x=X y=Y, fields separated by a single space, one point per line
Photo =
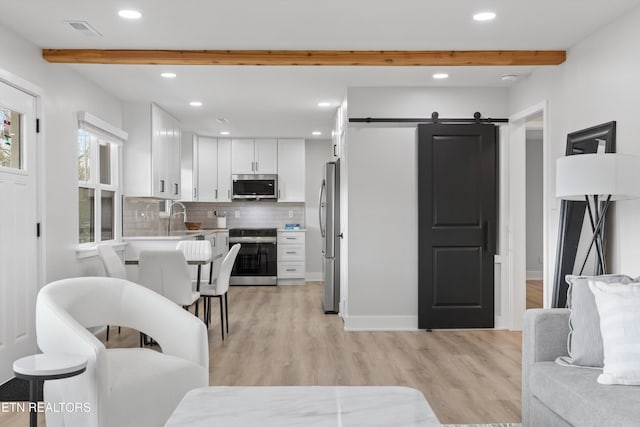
x=598 y=179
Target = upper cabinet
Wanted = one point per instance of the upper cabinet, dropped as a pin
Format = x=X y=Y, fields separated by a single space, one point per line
x=291 y=170
x=188 y=169
x=266 y=155
x=206 y=169
x=207 y=176
x=249 y=156
x=224 y=170
x=152 y=154
x=208 y=163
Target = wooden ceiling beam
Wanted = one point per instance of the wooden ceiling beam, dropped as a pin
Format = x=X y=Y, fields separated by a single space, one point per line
x=307 y=57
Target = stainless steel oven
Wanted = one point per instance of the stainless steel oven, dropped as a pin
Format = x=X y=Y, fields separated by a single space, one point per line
x=255 y=187
x=256 y=263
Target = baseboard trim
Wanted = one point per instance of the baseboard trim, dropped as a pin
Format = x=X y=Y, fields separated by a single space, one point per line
x=534 y=275
x=380 y=323
x=313 y=276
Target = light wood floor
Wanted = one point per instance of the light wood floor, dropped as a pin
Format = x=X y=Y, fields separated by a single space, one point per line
x=534 y=294
x=280 y=336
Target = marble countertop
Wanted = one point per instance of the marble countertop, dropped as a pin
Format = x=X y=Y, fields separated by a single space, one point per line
x=304 y=406
x=49 y=365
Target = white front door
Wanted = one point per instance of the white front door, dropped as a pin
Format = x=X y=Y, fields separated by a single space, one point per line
x=19 y=261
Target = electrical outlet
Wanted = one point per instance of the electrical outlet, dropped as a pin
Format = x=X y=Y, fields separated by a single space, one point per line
x=209 y=214
x=236 y=214
x=290 y=214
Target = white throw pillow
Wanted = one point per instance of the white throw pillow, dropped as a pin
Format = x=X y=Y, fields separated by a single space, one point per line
x=619 y=310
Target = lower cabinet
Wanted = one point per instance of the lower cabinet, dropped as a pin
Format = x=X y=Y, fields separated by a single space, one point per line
x=291 y=257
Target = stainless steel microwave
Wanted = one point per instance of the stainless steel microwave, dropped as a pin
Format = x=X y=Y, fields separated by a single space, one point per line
x=254 y=187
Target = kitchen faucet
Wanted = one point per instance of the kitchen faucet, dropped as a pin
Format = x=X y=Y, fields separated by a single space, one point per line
x=171 y=215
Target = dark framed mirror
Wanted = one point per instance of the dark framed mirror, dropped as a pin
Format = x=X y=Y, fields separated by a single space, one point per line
x=597 y=139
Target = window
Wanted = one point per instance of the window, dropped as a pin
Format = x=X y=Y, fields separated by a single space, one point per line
x=98 y=186
x=10 y=139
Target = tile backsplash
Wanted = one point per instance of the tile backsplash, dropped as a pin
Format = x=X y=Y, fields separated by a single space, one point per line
x=248 y=214
x=142 y=217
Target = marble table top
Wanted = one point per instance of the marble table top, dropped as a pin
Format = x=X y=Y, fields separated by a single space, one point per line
x=304 y=406
x=49 y=365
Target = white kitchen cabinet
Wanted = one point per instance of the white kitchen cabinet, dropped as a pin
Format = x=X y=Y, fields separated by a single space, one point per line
x=188 y=169
x=254 y=156
x=242 y=156
x=266 y=156
x=291 y=170
x=207 y=176
x=291 y=257
x=224 y=170
x=174 y=139
x=152 y=153
x=212 y=172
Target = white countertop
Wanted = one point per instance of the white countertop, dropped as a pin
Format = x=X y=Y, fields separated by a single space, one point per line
x=304 y=406
x=177 y=235
x=282 y=230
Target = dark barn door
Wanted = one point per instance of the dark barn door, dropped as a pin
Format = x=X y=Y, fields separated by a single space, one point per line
x=457 y=212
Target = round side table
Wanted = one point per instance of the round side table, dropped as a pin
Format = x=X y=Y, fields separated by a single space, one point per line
x=42 y=367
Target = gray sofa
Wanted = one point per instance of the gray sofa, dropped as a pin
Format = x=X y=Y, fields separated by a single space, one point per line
x=555 y=395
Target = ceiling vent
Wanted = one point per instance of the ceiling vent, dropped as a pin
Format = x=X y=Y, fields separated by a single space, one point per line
x=84 y=28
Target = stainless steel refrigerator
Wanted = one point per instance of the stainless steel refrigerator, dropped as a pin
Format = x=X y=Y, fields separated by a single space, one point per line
x=329 y=217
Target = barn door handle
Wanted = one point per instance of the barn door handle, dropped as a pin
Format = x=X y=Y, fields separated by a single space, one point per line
x=486 y=236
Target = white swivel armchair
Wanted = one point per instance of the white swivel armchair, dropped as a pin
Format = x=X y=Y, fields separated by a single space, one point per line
x=126 y=386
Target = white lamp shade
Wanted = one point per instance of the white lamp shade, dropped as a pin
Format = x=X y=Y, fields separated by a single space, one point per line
x=607 y=174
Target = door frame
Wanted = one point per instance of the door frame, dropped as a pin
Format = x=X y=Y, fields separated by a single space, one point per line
x=517 y=234
x=37 y=92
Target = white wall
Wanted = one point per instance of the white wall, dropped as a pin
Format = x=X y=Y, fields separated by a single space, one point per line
x=65 y=93
x=382 y=206
x=534 y=204
x=598 y=83
x=317 y=152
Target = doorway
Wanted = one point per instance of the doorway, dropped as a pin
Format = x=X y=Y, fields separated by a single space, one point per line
x=534 y=201
x=532 y=118
x=19 y=260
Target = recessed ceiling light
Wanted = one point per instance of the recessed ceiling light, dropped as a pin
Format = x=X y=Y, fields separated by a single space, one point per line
x=441 y=76
x=324 y=104
x=168 y=75
x=225 y=132
x=195 y=104
x=484 y=16
x=129 y=14
x=509 y=77
x=316 y=133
